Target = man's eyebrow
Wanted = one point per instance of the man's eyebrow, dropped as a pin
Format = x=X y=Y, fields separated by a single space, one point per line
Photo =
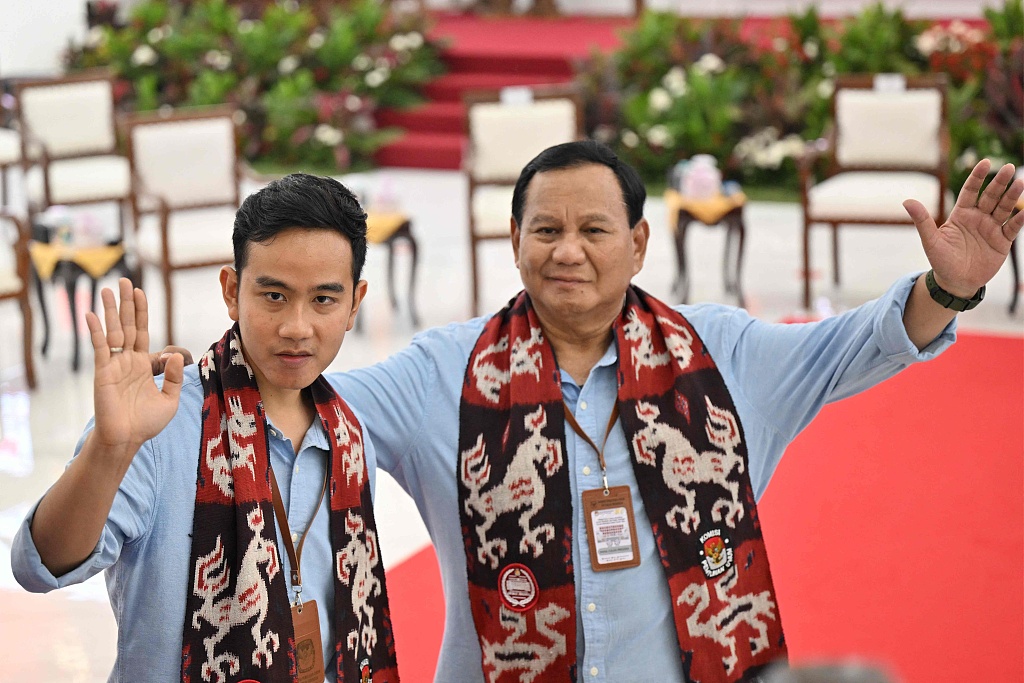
x=274 y=283
x=592 y=217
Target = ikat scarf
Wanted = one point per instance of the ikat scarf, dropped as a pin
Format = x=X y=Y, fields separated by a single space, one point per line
x=238 y=623
x=690 y=461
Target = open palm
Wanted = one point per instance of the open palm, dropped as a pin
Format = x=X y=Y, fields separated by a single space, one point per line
x=969 y=248
x=130 y=407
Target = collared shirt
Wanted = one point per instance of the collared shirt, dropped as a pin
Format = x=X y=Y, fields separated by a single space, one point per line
x=147 y=539
x=779 y=377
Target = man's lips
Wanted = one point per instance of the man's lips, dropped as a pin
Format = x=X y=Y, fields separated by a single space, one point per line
x=294 y=357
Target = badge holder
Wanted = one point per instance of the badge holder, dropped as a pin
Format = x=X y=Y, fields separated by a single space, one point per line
x=309 y=654
x=608 y=511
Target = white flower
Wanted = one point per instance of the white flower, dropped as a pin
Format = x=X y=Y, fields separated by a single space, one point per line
x=288 y=64
x=630 y=139
x=361 y=62
x=659 y=136
x=316 y=40
x=377 y=77
x=218 y=59
x=353 y=103
x=926 y=43
x=826 y=88
x=828 y=69
x=793 y=145
x=239 y=117
x=328 y=136
x=709 y=63
x=967 y=160
x=155 y=35
x=659 y=100
x=291 y=5
x=95 y=37
x=414 y=39
x=780 y=44
x=246 y=25
x=144 y=55
x=398 y=43
x=675 y=81
x=811 y=49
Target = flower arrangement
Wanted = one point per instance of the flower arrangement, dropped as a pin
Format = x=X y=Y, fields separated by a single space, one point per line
x=769 y=92
x=307 y=85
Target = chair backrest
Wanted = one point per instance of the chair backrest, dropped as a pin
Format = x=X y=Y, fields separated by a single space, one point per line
x=890 y=121
x=507 y=128
x=188 y=158
x=71 y=116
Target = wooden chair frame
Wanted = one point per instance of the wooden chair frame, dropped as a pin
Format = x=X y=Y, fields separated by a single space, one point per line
x=24 y=271
x=491 y=96
x=45 y=158
x=833 y=167
x=141 y=196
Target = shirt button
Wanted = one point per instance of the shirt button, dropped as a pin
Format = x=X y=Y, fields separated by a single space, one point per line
x=586 y=470
x=583 y=405
x=593 y=671
x=295 y=538
x=591 y=607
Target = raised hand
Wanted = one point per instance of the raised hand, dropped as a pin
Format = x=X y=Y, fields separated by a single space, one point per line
x=968 y=249
x=130 y=408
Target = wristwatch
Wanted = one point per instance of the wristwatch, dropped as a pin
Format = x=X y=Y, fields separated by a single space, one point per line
x=947 y=300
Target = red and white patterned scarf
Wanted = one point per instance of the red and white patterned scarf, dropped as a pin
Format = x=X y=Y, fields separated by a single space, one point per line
x=238 y=623
x=690 y=461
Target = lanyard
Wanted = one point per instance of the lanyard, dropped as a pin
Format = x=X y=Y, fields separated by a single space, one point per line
x=571 y=419
x=282 y=524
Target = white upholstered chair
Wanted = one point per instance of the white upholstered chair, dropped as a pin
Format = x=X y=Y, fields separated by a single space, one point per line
x=69 y=142
x=506 y=129
x=889 y=141
x=185 y=191
x=14 y=279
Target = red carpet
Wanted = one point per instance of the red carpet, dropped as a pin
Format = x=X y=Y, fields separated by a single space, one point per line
x=894 y=525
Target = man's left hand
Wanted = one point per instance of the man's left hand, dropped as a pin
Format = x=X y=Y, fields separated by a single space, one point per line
x=970 y=247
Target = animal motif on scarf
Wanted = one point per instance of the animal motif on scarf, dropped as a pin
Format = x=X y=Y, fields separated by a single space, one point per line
x=752 y=609
x=249 y=600
x=356 y=562
x=522 y=489
x=516 y=653
x=683 y=466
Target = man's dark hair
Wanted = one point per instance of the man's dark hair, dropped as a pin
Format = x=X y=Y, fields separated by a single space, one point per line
x=300 y=200
x=581 y=153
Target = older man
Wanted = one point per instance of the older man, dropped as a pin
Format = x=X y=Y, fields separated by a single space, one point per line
x=587 y=460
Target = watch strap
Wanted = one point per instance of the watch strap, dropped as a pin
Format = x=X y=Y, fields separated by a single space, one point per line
x=950 y=301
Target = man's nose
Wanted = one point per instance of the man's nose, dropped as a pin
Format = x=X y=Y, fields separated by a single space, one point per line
x=296 y=324
x=569 y=249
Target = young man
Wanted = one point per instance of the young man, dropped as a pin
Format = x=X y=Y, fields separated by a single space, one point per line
x=181 y=492
x=513 y=433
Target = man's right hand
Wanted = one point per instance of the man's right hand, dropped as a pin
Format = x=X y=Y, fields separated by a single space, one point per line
x=130 y=408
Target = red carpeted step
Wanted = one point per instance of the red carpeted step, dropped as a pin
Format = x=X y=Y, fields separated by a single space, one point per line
x=423 y=150
x=451 y=86
x=468 y=61
x=431 y=117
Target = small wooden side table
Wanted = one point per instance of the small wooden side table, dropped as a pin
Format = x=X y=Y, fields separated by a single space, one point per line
x=387 y=228
x=51 y=261
x=726 y=210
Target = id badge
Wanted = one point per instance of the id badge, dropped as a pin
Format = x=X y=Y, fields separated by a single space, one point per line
x=309 y=654
x=611 y=530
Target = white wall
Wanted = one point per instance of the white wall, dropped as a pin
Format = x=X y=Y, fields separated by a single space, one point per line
x=34 y=33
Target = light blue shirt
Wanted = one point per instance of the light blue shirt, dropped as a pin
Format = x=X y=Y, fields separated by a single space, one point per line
x=147 y=539
x=779 y=377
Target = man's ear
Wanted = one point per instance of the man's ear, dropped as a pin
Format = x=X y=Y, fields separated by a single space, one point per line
x=515 y=233
x=641 y=234
x=357 y=298
x=229 y=290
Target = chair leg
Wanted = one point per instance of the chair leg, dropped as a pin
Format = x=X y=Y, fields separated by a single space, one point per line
x=26 y=315
x=835 y=253
x=807 y=264
x=1016 y=278
x=475 y=284
x=169 y=303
